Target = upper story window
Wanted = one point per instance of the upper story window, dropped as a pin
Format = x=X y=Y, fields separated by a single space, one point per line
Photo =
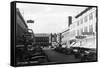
x=86 y=29
x=90 y=16
x=81 y=30
x=81 y=21
x=78 y=33
x=95 y=27
x=91 y=28
x=85 y=19
x=78 y=23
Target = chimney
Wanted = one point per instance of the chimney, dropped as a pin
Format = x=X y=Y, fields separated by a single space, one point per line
x=69 y=20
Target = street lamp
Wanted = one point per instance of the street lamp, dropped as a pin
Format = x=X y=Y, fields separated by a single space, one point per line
x=31 y=22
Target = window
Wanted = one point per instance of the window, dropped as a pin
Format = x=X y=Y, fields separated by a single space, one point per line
x=91 y=28
x=77 y=32
x=86 y=29
x=81 y=21
x=78 y=23
x=81 y=30
x=95 y=27
x=85 y=19
x=90 y=16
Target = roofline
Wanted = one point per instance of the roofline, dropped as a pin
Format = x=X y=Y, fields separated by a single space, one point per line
x=84 y=11
x=65 y=31
x=18 y=12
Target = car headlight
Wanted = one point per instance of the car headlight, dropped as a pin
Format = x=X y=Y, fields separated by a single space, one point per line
x=75 y=50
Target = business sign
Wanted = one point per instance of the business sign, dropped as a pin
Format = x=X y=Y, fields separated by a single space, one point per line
x=88 y=33
x=80 y=37
x=30 y=21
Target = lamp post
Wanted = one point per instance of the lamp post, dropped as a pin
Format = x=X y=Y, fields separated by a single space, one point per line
x=31 y=22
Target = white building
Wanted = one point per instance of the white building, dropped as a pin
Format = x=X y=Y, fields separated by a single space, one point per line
x=84 y=25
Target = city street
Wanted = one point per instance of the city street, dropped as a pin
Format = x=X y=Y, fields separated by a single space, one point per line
x=59 y=57
x=44 y=38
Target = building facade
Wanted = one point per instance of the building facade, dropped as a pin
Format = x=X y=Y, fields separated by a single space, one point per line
x=21 y=27
x=86 y=26
x=23 y=33
x=82 y=29
x=42 y=39
x=59 y=38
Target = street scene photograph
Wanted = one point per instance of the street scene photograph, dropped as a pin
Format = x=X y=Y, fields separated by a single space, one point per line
x=55 y=34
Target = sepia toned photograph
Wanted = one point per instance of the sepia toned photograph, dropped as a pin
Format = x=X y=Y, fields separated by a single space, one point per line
x=48 y=33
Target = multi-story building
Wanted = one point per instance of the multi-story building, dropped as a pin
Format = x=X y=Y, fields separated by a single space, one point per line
x=82 y=29
x=86 y=27
x=65 y=36
x=42 y=39
x=68 y=33
x=23 y=33
x=21 y=27
x=58 y=38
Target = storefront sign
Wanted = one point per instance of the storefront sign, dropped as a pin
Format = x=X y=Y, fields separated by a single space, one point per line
x=80 y=37
x=88 y=33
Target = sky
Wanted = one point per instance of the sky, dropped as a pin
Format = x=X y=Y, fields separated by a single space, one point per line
x=48 y=18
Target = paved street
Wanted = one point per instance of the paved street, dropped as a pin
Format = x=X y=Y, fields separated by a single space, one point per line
x=59 y=57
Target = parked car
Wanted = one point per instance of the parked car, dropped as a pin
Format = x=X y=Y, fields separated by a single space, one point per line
x=66 y=51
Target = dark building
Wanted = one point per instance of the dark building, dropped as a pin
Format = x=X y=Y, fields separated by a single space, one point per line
x=21 y=27
x=42 y=39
